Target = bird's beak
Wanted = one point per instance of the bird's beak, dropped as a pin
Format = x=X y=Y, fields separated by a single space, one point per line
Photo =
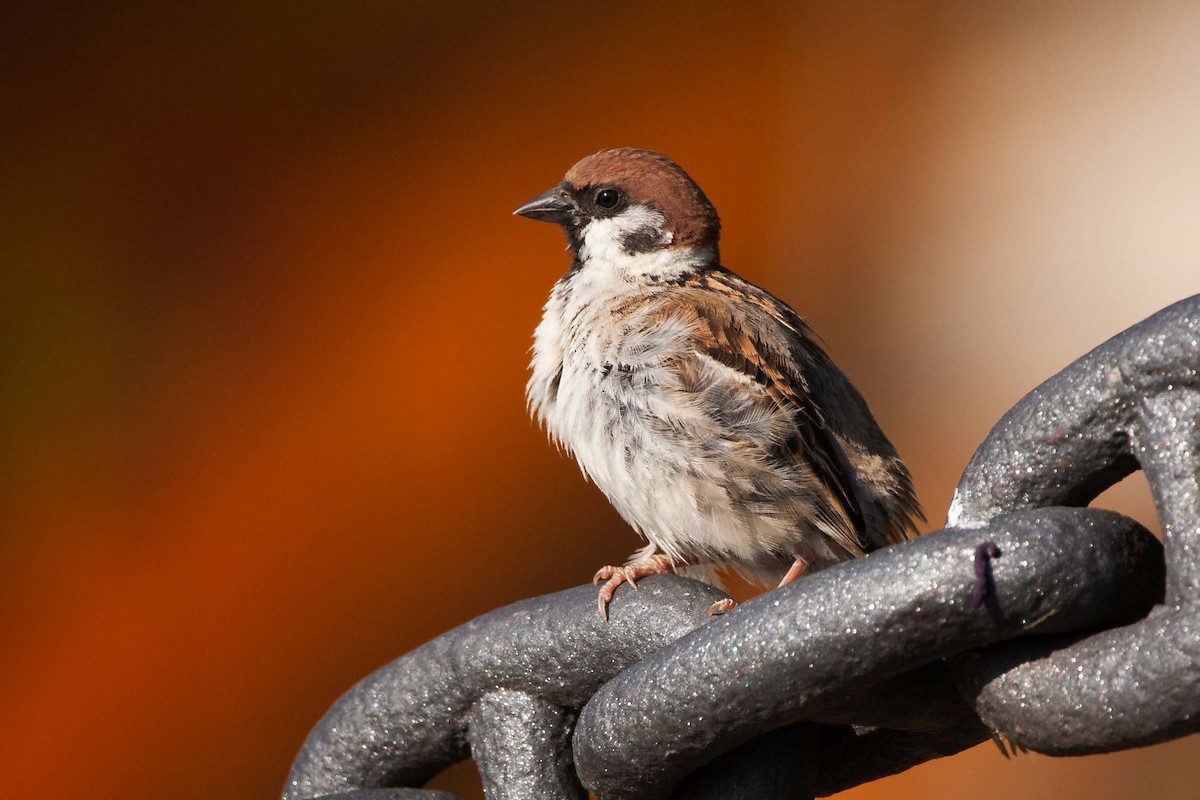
x=553 y=205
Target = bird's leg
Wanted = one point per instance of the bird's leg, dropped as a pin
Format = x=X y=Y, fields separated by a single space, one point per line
x=795 y=571
x=656 y=564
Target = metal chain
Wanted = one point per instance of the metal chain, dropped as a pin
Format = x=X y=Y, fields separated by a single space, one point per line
x=1063 y=629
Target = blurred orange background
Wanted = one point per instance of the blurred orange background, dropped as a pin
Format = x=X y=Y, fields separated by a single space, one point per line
x=266 y=319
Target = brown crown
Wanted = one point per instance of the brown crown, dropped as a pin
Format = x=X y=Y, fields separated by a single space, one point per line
x=652 y=179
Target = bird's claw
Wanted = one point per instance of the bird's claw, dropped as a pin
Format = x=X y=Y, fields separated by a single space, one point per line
x=613 y=577
x=606 y=593
x=721 y=606
x=604 y=573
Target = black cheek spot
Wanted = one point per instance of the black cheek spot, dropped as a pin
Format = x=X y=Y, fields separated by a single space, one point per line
x=643 y=240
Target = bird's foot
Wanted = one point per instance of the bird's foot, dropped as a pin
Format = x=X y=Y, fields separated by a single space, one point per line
x=657 y=564
x=721 y=606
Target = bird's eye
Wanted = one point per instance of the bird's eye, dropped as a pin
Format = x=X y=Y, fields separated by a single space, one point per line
x=608 y=198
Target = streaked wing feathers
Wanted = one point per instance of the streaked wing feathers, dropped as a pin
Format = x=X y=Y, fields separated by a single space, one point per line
x=761 y=341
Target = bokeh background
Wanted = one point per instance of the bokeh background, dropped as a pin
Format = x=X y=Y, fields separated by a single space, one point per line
x=266 y=317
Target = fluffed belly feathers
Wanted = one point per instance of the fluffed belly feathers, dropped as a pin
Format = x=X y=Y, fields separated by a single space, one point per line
x=696 y=484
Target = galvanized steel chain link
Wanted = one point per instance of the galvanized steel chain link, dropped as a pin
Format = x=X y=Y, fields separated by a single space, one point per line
x=1062 y=629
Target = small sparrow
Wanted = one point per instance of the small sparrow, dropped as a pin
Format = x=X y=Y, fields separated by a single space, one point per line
x=702 y=406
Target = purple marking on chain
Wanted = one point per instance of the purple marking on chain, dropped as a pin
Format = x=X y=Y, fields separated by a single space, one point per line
x=984 y=554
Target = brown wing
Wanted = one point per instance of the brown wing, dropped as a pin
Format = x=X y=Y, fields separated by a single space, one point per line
x=832 y=437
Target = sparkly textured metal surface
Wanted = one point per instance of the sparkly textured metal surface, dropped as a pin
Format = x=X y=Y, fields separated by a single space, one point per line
x=522 y=745
x=782 y=656
x=1133 y=401
x=856 y=672
x=411 y=719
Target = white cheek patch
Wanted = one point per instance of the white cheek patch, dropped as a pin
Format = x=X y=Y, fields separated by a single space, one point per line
x=606 y=238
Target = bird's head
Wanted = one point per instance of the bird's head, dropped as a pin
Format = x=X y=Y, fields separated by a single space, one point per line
x=625 y=202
